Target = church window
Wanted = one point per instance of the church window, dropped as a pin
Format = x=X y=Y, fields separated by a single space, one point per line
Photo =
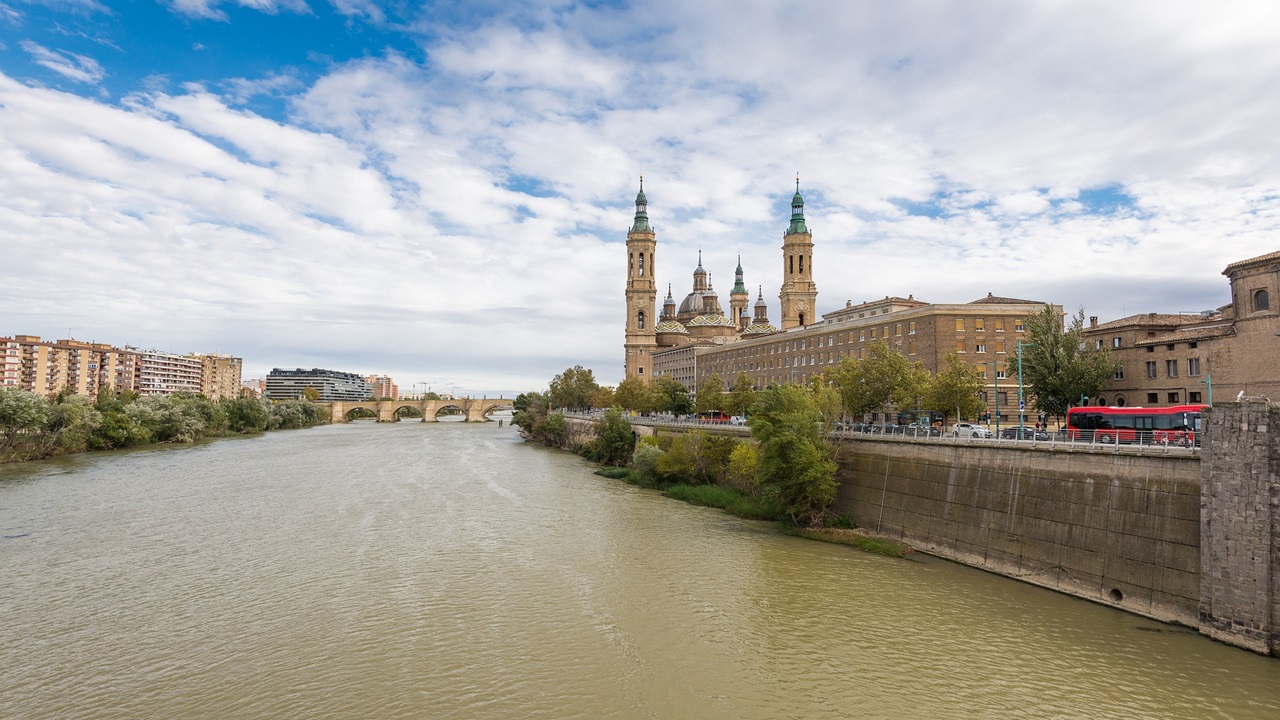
x=640 y=319
x=791 y=265
x=1261 y=301
x=801 y=264
x=641 y=268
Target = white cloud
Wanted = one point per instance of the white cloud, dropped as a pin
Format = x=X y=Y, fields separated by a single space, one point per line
x=464 y=216
x=69 y=65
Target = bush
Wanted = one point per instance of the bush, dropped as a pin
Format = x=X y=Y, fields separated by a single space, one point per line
x=645 y=464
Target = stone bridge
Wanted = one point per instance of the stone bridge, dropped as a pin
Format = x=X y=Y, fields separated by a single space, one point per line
x=476 y=409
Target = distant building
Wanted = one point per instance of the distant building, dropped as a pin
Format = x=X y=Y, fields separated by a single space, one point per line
x=46 y=367
x=219 y=376
x=254 y=388
x=1168 y=359
x=331 y=384
x=162 y=373
x=383 y=387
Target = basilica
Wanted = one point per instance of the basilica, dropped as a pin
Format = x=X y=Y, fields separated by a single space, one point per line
x=700 y=319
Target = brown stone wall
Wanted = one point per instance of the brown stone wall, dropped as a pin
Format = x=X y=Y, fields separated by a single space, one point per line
x=1113 y=527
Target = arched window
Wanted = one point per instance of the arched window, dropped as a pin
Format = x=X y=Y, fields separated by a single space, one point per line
x=640 y=320
x=1102 y=402
x=801 y=264
x=631 y=264
x=1261 y=301
x=1120 y=401
x=791 y=264
x=801 y=319
x=642 y=266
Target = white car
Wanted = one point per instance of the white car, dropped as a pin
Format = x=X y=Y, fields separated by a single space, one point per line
x=969 y=430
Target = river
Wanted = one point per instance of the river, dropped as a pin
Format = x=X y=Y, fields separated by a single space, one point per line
x=453 y=571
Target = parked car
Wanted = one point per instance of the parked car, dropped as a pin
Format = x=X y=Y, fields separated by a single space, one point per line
x=1023 y=433
x=969 y=430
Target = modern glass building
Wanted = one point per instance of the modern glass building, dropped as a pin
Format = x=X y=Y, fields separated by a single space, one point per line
x=331 y=384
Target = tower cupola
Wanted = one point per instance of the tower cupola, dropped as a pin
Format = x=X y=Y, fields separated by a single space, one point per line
x=641 y=223
x=797 y=211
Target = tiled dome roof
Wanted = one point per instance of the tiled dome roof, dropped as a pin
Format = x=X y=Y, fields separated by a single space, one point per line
x=711 y=321
x=671 y=326
x=758 y=329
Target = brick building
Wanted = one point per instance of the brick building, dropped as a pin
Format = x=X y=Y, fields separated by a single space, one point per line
x=1171 y=359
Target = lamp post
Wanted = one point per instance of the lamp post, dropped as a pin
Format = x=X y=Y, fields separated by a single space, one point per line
x=1022 y=421
x=1208 y=381
x=995 y=389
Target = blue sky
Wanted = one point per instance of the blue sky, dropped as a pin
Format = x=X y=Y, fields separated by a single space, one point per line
x=441 y=191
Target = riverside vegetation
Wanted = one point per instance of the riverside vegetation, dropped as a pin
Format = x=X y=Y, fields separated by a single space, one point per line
x=785 y=472
x=33 y=426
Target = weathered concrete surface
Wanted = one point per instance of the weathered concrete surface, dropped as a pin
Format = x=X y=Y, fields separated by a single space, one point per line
x=1240 y=527
x=1117 y=528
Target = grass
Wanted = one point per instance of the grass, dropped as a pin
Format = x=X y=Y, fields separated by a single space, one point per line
x=879 y=546
x=734 y=501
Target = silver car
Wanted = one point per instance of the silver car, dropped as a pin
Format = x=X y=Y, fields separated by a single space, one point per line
x=969 y=430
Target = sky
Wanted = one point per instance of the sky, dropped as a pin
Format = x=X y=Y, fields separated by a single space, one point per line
x=441 y=191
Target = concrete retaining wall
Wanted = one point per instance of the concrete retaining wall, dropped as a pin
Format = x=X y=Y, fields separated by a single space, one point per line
x=1117 y=528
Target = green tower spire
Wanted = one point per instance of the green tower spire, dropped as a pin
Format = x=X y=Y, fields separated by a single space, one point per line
x=797 y=212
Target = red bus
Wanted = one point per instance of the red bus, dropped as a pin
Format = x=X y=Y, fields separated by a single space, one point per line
x=1177 y=425
x=715 y=416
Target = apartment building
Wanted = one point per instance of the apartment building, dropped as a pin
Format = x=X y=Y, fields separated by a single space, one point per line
x=1177 y=359
x=383 y=387
x=219 y=375
x=10 y=363
x=162 y=373
x=46 y=367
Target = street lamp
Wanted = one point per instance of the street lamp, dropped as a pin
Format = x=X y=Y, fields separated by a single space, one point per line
x=995 y=389
x=1208 y=380
x=1022 y=420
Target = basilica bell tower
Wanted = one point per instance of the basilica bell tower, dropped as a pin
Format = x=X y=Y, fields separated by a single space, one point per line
x=642 y=293
x=799 y=295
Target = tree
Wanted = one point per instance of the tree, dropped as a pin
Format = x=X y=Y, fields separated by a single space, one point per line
x=601 y=398
x=742 y=395
x=883 y=377
x=573 y=388
x=671 y=396
x=710 y=394
x=614 y=440
x=632 y=394
x=1057 y=365
x=310 y=394
x=956 y=389
x=794 y=462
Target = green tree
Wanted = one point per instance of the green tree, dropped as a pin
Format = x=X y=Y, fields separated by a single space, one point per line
x=742 y=467
x=23 y=416
x=573 y=388
x=309 y=394
x=671 y=395
x=246 y=414
x=614 y=439
x=1057 y=366
x=632 y=394
x=602 y=397
x=884 y=377
x=710 y=394
x=955 y=389
x=794 y=462
x=742 y=396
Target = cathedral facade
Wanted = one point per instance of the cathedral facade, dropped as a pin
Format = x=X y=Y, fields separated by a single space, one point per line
x=700 y=318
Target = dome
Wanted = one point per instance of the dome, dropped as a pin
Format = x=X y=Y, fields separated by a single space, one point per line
x=711 y=321
x=759 y=329
x=670 y=326
x=692 y=304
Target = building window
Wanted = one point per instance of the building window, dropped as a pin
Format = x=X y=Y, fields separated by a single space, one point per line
x=911 y=328
x=1097 y=344
x=1153 y=398
x=1193 y=397
x=897 y=329
x=979 y=324
x=1151 y=369
x=1000 y=374
x=1120 y=401
x=999 y=346
x=1002 y=398
x=640 y=317
x=873 y=333
x=959 y=324
x=1119 y=372
x=1102 y=401
x=1173 y=398
x=911 y=347
x=1193 y=366
x=1193 y=345
x=959 y=346
x=1151 y=348
x=999 y=324
x=1115 y=342
x=862 y=336
x=1171 y=368
x=981 y=347
x=1170 y=346
x=1261 y=301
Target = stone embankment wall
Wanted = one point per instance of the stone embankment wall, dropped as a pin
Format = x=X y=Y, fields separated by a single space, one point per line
x=1111 y=526
x=1240 y=527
